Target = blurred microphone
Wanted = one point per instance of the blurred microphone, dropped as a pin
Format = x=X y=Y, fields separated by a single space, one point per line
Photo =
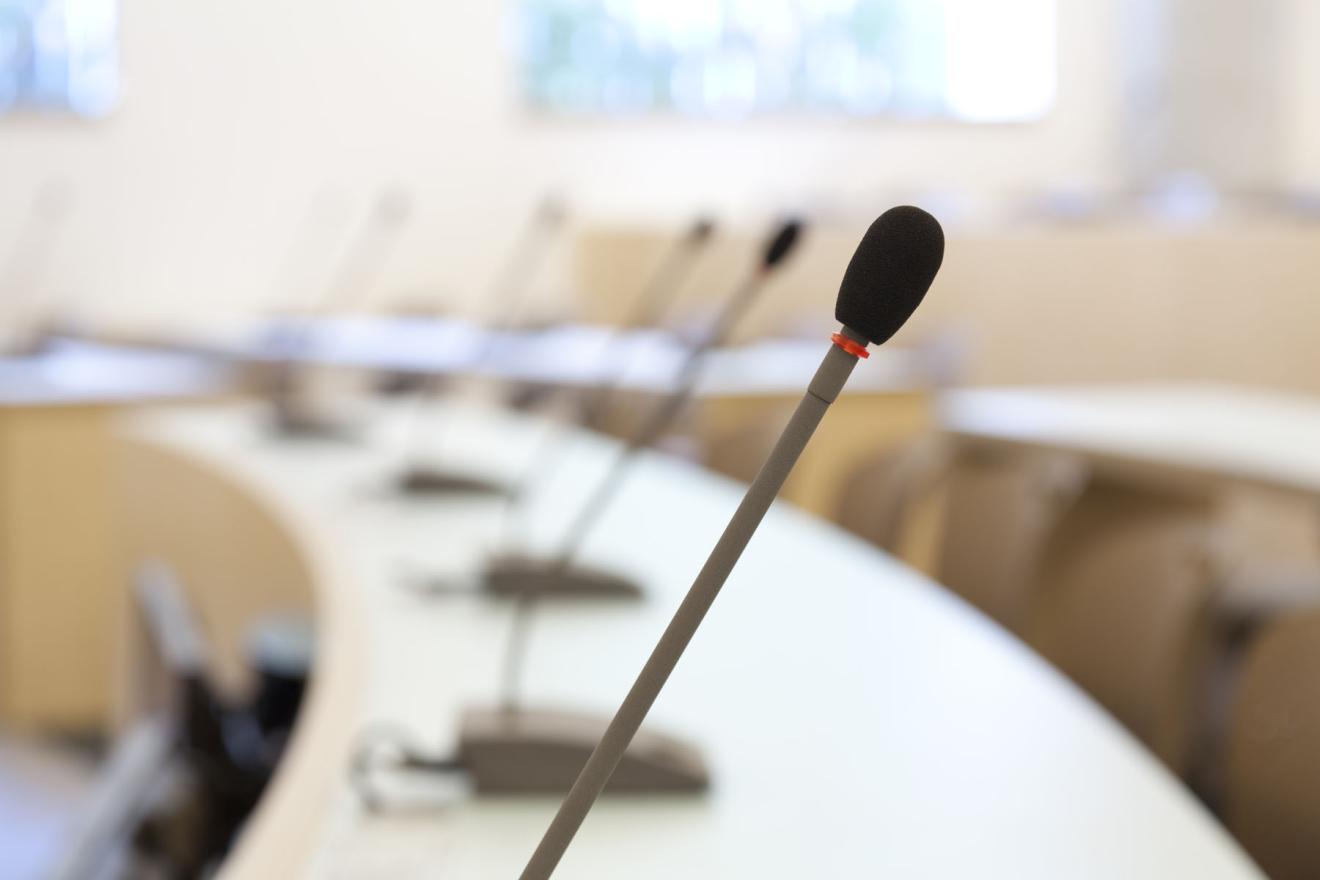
x=512 y=748
x=664 y=286
x=886 y=280
x=527 y=578
x=367 y=255
x=26 y=264
x=673 y=270
x=350 y=281
x=509 y=297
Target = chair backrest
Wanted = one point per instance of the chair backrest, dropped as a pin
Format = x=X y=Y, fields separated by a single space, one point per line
x=127 y=783
x=1000 y=508
x=1272 y=749
x=184 y=654
x=1125 y=606
x=739 y=451
x=878 y=496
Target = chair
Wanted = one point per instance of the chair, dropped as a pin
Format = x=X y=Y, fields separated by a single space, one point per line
x=1001 y=507
x=1272 y=749
x=1276 y=565
x=739 y=451
x=221 y=757
x=1125 y=605
x=878 y=496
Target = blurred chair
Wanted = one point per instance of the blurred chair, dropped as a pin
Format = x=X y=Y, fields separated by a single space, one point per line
x=1276 y=560
x=1125 y=605
x=739 y=451
x=128 y=782
x=1000 y=510
x=878 y=496
x=221 y=758
x=1272 y=749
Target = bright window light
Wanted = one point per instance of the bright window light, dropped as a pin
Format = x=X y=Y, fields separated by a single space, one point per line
x=59 y=54
x=972 y=60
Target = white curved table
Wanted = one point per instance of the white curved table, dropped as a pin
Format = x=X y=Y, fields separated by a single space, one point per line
x=859 y=721
x=1232 y=434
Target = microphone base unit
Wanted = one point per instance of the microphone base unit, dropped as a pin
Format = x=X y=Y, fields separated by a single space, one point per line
x=431 y=482
x=514 y=576
x=528 y=396
x=527 y=751
x=288 y=424
x=402 y=383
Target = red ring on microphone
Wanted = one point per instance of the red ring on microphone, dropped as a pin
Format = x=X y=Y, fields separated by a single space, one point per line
x=852 y=346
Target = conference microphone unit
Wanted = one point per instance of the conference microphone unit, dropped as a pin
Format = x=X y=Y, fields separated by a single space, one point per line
x=524 y=578
x=884 y=283
x=669 y=276
x=515 y=749
x=294 y=416
x=510 y=292
x=25 y=268
x=664 y=285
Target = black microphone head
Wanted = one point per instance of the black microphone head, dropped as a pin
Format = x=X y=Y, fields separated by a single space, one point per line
x=701 y=231
x=890 y=273
x=785 y=238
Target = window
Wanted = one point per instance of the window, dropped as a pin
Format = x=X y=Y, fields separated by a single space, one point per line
x=59 y=54
x=974 y=60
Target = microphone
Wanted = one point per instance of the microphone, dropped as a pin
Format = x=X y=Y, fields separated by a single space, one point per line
x=524 y=578
x=513 y=749
x=361 y=263
x=884 y=283
x=668 y=277
x=369 y=252
x=510 y=293
x=670 y=274
x=27 y=262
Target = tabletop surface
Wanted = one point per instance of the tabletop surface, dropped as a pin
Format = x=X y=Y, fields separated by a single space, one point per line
x=859 y=720
x=1254 y=435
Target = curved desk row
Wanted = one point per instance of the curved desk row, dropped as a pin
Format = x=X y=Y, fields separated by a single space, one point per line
x=859 y=721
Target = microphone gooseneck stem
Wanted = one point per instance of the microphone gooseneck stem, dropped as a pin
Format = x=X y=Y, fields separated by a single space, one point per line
x=510 y=292
x=361 y=264
x=660 y=420
x=671 y=274
x=824 y=388
x=26 y=263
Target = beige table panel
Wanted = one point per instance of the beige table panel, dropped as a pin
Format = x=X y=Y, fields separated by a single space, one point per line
x=59 y=566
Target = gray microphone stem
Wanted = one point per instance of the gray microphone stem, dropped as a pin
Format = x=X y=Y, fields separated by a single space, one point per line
x=660 y=419
x=668 y=277
x=510 y=292
x=824 y=388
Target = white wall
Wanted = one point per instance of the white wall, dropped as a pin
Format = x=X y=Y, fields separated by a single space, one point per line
x=238 y=117
x=1301 y=98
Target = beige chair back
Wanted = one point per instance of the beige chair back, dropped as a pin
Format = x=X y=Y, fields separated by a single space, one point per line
x=878 y=496
x=1000 y=509
x=1272 y=750
x=739 y=451
x=1125 y=606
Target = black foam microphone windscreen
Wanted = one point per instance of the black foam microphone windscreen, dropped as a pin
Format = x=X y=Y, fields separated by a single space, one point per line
x=782 y=244
x=890 y=272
